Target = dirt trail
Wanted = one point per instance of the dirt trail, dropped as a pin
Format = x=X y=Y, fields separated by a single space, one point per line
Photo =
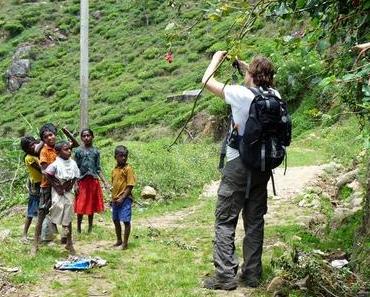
x=287 y=186
x=281 y=210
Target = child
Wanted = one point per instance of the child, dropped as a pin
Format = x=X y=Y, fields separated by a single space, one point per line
x=62 y=174
x=28 y=145
x=123 y=181
x=89 y=199
x=47 y=156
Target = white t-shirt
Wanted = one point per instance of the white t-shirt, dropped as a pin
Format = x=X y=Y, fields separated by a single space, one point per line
x=240 y=99
x=63 y=169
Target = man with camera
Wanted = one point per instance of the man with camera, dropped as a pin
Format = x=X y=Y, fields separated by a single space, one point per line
x=242 y=188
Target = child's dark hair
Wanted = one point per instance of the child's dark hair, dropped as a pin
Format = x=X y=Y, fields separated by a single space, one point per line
x=26 y=142
x=49 y=127
x=120 y=149
x=59 y=145
x=88 y=130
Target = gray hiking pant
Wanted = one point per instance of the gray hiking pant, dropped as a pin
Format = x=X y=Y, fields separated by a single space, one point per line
x=246 y=190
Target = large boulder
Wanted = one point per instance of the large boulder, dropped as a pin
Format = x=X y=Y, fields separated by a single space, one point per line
x=148 y=193
x=17 y=73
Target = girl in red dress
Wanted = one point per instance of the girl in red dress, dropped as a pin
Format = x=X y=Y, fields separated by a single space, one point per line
x=89 y=199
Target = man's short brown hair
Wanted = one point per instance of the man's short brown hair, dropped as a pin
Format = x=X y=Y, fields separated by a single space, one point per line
x=262 y=71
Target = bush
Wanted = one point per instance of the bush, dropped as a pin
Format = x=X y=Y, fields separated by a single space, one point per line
x=13 y=27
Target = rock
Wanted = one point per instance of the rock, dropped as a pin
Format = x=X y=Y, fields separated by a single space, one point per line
x=346 y=178
x=19 y=68
x=356 y=200
x=276 y=284
x=318 y=220
x=355 y=185
x=340 y=214
x=17 y=74
x=315 y=203
x=314 y=189
x=302 y=283
x=332 y=168
x=4 y=234
x=339 y=263
x=148 y=193
x=185 y=96
x=23 y=52
x=302 y=203
x=97 y=15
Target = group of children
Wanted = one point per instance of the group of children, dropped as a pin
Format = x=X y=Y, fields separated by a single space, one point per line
x=60 y=186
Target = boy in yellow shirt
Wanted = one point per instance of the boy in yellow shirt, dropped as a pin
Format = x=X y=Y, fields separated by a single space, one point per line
x=123 y=181
x=28 y=145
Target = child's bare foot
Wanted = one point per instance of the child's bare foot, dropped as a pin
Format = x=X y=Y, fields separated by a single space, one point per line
x=118 y=243
x=125 y=246
x=70 y=249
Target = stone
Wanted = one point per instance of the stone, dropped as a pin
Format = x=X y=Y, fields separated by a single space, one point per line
x=97 y=15
x=19 y=68
x=346 y=178
x=315 y=204
x=302 y=283
x=356 y=200
x=23 y=52
x=4 y=234
x=332 y=167
x=355 y=185
x=148 y=193
x=317 y=220
x=185 y=96
x=17 y=73
x=314 y=189
x=302 y=203
x=340 y=214
x=276 y=284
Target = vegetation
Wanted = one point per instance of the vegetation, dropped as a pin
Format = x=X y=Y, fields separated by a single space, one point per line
x=319 y=73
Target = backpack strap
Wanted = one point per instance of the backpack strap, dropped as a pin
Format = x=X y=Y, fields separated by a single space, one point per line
x=273 y=183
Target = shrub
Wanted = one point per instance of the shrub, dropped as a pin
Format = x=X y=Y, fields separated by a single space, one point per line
x=151 y=53
x=13 y=27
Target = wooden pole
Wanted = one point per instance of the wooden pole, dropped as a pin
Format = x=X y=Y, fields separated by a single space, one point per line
x=84 y=64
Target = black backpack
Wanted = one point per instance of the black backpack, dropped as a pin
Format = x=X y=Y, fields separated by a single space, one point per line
x=267 y=133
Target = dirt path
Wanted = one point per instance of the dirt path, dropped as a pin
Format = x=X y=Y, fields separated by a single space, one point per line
x=287 y=186
x=281 y=210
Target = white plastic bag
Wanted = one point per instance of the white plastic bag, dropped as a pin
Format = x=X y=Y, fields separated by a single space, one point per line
x=47 y=230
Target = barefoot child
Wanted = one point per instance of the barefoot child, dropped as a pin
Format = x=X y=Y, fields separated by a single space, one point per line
x=123 y=181
x=62 y=174
x=89 y=199
x=47 y=156
x=28 y=145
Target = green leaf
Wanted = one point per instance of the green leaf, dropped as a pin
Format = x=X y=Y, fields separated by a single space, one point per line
x=366 y=90
x=366 y=4
x=301 y=4
x=349 y=77
x=323 y=45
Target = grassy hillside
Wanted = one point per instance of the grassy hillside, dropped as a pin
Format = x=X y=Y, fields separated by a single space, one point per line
x=130 y=79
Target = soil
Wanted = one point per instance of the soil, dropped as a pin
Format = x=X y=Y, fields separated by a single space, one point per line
x=281 y=210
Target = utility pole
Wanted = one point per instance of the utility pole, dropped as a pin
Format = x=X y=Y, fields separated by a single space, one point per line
x=84 y=64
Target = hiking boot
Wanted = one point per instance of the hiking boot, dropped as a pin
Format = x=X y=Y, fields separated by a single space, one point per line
x=252 y=283
x=214 y=283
